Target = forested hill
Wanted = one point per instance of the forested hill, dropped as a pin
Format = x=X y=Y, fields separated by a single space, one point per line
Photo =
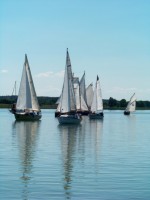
x=50 y=102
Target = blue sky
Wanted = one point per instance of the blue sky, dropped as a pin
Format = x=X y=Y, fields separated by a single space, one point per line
x=110 y=38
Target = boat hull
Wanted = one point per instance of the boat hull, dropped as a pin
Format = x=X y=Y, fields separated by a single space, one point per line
x=57 y=114
x=27 y=117
x=70 y=119
x=83 y=112
x=126 y=112
x=96 y=115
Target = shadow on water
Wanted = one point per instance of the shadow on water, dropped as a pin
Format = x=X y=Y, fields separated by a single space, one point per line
x=27 y=135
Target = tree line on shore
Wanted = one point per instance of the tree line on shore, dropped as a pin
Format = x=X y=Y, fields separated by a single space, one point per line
x=50 y=102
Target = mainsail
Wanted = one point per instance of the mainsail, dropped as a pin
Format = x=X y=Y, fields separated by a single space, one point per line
x=97 y=103
x=27 y=96
x=82 y=88
x=89 y=94
x=67 y=101
x=80 y=103
x=132 y=104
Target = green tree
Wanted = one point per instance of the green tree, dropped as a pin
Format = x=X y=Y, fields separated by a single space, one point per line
x=112 y=102
x=123 y=103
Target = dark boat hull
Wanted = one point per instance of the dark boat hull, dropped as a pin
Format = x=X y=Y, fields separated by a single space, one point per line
x=69 y=119
x=27 y=117
x=57 y=114
x=83 y=112
x=126 y=112
x=96 y=115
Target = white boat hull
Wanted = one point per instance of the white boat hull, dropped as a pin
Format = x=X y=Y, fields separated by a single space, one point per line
x=69 y=119
x=96 y=115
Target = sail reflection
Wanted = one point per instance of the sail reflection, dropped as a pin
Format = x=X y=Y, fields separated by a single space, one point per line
x=131 y=127
x=96 y=130
x=27 y=135
x=68 y=136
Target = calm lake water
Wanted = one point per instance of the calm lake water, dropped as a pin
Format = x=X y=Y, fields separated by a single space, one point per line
x=106 y=159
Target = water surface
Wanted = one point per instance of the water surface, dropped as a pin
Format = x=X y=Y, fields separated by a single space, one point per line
x=99 y=159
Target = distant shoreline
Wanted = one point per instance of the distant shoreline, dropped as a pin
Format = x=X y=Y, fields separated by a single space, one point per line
x=50 y=103
x=42 y=107
x=8 y=106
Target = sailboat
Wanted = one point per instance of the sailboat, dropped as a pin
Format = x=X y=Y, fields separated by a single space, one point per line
x=67 y=104
x=97 y=103
x=131 y=105
x=27 y=106
x=81 y=105
x=83 y=97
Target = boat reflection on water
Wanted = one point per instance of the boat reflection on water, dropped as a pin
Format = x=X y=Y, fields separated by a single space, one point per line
x=96 y=132
x=68 y=137
x=131 y=127
x=96 y=129
x=26 y=135
x=74 y=150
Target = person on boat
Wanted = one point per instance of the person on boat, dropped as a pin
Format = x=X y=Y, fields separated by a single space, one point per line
x=13 y=107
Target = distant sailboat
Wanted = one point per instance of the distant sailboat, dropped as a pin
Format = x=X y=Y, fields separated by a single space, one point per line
x=131 y=105
x=97 y=103
x=27 y=107
x=67 y=104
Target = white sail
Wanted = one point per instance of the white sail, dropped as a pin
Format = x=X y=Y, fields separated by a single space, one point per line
x=132 y=104
x=80 y=103
x=97 y=103
x=82 y=88
x=89 y=94
x=83 y=105
x=27 y=96
x=67 y=103
x=77 y=95
x=58 y=100
x=59 y=104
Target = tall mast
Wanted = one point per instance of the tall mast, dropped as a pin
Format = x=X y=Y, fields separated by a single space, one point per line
x=14 y=89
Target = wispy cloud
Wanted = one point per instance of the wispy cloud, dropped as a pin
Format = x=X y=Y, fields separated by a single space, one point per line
x=44 y=74
x=60 y=74
x=50 y=74
x=4 y=71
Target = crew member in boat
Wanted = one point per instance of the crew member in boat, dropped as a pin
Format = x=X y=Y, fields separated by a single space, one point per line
x=13 y=107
